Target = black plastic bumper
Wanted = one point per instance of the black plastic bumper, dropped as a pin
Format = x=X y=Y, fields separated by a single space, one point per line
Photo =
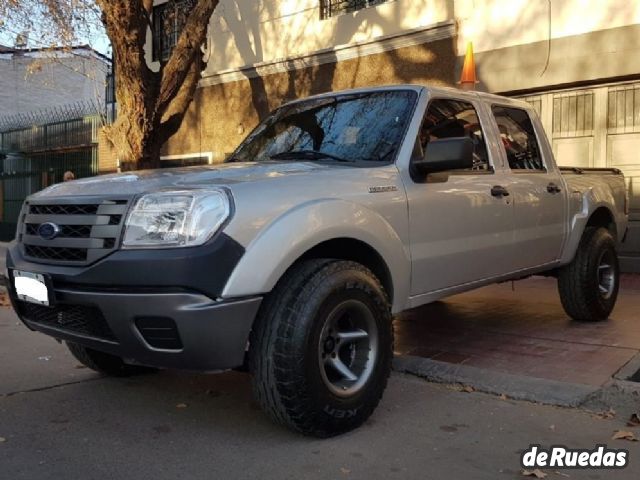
x=116 y=317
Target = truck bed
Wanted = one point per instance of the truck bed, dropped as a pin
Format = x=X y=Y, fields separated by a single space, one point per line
x=583 y=171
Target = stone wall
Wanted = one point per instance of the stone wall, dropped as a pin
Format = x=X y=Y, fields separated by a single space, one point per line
x=222 y=114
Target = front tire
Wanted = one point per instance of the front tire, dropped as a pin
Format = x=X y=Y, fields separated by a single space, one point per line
x=322 y=347
x=589 y=285
x=104 y=363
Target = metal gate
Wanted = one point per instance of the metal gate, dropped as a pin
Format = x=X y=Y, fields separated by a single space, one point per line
x=37 y=149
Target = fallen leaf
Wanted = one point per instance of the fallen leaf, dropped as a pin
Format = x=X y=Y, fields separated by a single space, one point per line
x=503 y=397
x=552 y=427
x=181 y=405
x=346 y=471
x=562 y=474
x=606 y=415
x=468 y=389
x=624 y=435
x=2 y=439
x=534 y=473
x=634 y=421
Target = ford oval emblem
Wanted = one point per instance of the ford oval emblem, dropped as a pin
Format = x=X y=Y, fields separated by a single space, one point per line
x=48 y=231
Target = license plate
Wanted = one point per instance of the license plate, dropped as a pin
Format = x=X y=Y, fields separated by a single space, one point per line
x=31 y=287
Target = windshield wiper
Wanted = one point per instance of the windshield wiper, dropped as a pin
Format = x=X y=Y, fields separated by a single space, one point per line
x=306 y=154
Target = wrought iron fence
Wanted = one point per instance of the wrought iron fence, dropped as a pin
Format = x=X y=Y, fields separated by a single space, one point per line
x=45 y=116
x=62 y=134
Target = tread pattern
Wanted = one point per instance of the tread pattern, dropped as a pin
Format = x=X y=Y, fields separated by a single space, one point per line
x=276 y=358
x=576 y=281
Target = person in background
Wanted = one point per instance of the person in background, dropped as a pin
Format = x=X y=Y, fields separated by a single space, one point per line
x=68 y=176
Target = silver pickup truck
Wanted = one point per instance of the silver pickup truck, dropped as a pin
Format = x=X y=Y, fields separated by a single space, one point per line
x=337 y=212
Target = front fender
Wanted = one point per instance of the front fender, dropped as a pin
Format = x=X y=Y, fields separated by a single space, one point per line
x=288 y=237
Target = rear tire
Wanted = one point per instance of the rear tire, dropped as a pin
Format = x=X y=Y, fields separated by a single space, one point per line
x=105 y=363
x=589 y=285
x=322 y=346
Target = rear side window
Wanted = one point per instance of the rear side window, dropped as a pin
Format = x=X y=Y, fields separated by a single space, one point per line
x=518 y=138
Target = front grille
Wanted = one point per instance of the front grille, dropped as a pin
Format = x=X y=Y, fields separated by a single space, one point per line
x=86 y=231
x=89 y=209
x=80 y=319
x=66 y=231
x=59 y=254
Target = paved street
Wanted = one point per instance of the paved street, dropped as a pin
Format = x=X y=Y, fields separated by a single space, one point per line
x=60 y=421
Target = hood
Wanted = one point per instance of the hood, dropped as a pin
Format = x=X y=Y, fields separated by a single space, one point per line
x=188 y=177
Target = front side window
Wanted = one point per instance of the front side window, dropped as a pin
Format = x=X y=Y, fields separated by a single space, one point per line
x=451 y=119
x=168 y=21
x=367 y=127
x=331 y=8
x=518 y=138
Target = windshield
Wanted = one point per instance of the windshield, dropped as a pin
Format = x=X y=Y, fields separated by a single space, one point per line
x=347 y=128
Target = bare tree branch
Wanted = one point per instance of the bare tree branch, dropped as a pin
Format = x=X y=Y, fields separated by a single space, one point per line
x=151 y=105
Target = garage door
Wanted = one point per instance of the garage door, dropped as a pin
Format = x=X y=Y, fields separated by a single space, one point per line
x=623 y=152
x=599 y=127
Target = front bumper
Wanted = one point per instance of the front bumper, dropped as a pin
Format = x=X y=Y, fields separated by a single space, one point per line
x=205 y=334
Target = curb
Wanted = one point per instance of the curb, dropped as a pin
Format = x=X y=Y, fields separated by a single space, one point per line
x=516 y=387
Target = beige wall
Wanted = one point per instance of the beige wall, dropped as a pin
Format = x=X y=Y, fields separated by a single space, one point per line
x=497 y=24
x=249 y=32
x=600 y=56
x=510 y=37
x=246 y=33
x=265 y=52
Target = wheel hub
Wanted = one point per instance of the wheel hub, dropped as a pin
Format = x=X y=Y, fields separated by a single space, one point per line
x=348 y=348
x=329 y=345
x=606 y=275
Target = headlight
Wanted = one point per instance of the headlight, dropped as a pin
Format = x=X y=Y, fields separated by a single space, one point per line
x=176 y=219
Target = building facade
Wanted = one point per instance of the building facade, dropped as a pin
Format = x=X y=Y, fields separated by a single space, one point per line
x=576 y=61
x=40 y=79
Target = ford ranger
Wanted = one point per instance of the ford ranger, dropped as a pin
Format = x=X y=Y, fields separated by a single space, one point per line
x=336 y=212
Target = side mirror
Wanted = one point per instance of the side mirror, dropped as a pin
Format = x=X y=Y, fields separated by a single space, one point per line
x=445 y=154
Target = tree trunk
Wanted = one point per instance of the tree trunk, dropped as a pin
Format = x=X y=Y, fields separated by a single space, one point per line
x=151 y=105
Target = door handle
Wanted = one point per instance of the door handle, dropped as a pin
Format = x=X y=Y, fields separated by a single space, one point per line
x=499 y=191
x=553 y=188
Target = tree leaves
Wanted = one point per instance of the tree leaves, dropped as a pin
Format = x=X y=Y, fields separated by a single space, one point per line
x=624 y=435
x=534 y=473
x=634 y=421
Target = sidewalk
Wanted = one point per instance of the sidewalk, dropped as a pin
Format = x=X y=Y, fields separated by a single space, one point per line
x=524 y=331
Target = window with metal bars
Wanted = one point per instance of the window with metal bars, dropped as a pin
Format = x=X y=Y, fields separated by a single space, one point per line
x=168 y=21
x=573 y=114
x=332 y=8
x=624 y=109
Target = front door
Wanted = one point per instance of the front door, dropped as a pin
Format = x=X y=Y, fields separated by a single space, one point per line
x=461 y=226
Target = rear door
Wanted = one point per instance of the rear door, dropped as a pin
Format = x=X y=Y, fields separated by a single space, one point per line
x=539 y=202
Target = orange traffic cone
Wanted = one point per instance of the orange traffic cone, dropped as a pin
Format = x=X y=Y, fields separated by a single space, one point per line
x=468 y=78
